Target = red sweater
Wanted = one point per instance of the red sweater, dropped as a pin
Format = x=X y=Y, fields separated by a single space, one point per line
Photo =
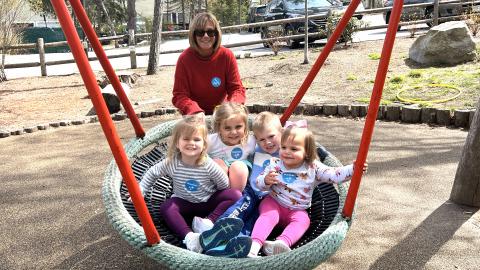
x=201 y=84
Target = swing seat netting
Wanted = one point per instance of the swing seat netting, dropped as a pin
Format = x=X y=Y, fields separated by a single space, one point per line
x=327 y=229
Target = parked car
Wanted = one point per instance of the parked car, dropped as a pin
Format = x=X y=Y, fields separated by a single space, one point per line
x=360 y=7
x=255 y=14
x=284 y=9
x=422 y=13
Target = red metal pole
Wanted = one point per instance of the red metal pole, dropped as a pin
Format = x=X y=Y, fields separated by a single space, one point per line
x=373 y=108
x=106 y=122
x=107 y=67
x=320 y=60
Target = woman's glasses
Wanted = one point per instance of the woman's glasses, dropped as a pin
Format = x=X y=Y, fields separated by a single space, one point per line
x=201 y=33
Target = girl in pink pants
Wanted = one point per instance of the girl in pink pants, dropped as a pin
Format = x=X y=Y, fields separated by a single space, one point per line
x=291 y=180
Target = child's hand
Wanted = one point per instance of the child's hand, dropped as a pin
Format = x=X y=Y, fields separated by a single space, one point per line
x=129 y=198
x=271 y=178
x=365 y=166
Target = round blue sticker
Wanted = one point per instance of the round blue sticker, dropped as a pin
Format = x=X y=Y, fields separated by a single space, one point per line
x=191 y=185
x=289 y=177
x=266 y=163
x=237 y=153
x=216 y=82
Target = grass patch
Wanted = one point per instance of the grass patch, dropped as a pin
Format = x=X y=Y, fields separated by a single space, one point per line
x=415 y=74
x=374 y=56
x=352 y=77
x=465 y=78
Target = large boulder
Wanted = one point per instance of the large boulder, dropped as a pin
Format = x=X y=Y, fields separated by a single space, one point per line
x=448 y=43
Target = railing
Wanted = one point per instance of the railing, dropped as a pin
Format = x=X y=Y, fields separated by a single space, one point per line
x=40 y=45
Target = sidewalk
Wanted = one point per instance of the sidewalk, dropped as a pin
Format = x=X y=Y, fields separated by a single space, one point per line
x=53 y=214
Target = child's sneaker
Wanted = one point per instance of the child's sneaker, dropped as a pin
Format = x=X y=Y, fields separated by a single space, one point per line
x=254 y=249
x=237 y=247
x=223 y=230
x=192 y=242
x=199 y=225
x=275 y=247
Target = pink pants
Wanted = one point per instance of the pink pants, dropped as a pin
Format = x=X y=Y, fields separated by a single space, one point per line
x=295 y=222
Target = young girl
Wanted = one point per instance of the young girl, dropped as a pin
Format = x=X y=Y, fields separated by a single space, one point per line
x=229 y=146
x=200 y=187
x=291 y=180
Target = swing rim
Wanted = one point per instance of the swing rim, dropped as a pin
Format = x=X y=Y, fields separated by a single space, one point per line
x=307 y=256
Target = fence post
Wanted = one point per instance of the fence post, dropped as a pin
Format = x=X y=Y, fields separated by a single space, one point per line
x=435 y=12
x=131 y=37
x=133 y=57
x=85 y=47
x=41 y=53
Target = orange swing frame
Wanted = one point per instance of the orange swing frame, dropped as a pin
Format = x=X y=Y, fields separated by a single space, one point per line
x=113 y=139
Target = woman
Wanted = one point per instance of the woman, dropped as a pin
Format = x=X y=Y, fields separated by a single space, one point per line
x=206 y=73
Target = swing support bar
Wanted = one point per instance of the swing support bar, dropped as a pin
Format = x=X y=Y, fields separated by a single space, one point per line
x=373 y=108
x=107 y=67
x=374 y=100
x=106 y=122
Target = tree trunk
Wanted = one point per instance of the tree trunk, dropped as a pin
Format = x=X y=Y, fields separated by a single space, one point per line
x=466 y=187
x=154 y=55
x=101 y=5
x=3 y=76
x=183 y=16
x=239 y=12
x=132 y=15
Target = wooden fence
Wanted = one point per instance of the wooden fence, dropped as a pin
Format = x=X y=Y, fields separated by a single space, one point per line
x=132 y=54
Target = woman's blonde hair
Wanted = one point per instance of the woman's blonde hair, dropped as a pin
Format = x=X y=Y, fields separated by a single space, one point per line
x=229 y=110
x=198 y=23
x=187 y=127
x=309 y=143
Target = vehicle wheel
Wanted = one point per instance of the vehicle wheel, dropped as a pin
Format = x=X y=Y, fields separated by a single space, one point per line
x=387 y=20
x=264 y=35
x=428 y=15
x=292 y=44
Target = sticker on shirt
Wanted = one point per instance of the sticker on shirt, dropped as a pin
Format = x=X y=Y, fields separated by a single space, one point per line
x=261 y=159
x=216 y=82
x=192 y=185
x=289 y=177
x=266 y=163
x=236 y=153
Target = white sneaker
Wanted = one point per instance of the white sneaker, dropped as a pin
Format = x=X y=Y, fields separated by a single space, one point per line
x=192 y=241
x=275 y=247
x=199 y=225
x=254 y=249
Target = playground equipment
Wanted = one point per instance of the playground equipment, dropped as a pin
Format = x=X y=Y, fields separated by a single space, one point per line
x=328 y=229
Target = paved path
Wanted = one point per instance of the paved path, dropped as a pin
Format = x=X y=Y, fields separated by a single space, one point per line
x=53 y=217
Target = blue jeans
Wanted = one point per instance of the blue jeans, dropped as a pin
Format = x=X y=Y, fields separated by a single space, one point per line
x=246 y=209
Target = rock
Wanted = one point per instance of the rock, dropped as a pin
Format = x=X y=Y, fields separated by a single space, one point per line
x=111 y=98
x=4 y=133
x=448 y=43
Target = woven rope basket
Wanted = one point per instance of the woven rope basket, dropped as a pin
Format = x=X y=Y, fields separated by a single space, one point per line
x=322 y=239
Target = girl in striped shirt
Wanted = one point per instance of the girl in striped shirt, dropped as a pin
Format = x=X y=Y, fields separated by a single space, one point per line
x=200 y=186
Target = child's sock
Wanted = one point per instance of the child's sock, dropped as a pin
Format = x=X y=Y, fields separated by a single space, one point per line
x=254 y=249
x=192 y=241
x=275 y=247
x=199 y=225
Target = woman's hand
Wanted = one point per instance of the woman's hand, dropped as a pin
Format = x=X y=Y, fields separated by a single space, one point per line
x=271 y=178
x=197 y=117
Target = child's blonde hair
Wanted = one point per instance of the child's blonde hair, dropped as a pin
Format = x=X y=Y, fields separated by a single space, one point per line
x=229 y=110
x=187 y=127
x=265 y=119
x=309 y=143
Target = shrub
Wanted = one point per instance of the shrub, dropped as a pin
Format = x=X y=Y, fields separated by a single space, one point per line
x=347 y=35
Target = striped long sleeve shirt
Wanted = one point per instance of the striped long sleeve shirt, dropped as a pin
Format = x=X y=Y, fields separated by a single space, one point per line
x=192 y=183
